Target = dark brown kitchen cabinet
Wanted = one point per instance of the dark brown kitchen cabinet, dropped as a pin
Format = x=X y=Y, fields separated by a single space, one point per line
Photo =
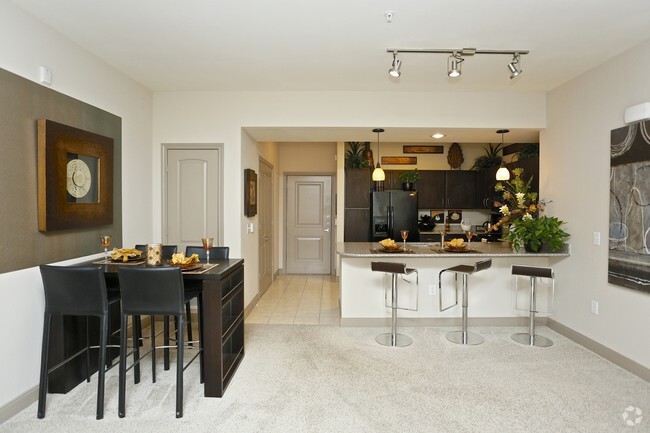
x=358 y=183
x=485 y=183
x=357 y=225
x=431 y=189
x=460 y=189
x=392 y=179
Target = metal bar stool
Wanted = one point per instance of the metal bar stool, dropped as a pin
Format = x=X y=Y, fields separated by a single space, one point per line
x=534 y=272
x=394 y=339
x=463 y=336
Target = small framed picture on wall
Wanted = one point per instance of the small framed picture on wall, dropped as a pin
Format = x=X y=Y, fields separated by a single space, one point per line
x=250 y=192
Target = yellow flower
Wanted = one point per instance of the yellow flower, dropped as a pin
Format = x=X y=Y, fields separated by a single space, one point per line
x=504 y=210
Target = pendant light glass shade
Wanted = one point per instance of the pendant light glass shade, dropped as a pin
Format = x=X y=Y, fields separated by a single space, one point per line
x=378 y=174
x=503 y=173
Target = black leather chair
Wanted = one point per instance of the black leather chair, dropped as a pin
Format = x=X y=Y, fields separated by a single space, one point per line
x=155 y=291
x=75 y=291
x=215 y=252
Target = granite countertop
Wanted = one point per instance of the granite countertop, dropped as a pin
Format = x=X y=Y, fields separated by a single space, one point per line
x=422 y=249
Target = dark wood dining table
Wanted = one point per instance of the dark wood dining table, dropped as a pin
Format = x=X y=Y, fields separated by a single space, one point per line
x=222 y=321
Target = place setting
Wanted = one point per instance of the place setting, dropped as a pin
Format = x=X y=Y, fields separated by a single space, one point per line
x=119 y=256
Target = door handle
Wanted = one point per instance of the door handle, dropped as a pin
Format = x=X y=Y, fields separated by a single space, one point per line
x=326 y=230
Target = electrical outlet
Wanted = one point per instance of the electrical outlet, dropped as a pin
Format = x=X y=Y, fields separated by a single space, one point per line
x=596 y=238
x=594 y=307
x=432 y=289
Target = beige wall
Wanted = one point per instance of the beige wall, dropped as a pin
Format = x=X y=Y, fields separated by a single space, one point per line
x=575 y=175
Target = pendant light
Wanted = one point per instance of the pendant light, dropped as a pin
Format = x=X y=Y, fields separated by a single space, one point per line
x=503 y=173
x=378 y=174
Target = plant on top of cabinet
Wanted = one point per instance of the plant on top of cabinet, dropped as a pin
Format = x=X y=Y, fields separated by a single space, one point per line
x=529 y=150
x=354 y=155
x=490 y=159
x=409 y=178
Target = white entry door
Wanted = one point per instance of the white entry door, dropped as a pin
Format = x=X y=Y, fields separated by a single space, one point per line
x=192 y=192
x=309 y=224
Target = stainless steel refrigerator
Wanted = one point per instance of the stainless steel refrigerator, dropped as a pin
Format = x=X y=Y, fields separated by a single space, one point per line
x=393 y=211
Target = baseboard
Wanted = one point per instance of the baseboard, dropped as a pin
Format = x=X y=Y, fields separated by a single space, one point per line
x=251 y=305
x=607 y=353
x=443 y=321
x=18 y=404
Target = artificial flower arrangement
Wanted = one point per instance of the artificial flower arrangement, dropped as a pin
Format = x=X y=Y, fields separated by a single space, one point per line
x=520 y=211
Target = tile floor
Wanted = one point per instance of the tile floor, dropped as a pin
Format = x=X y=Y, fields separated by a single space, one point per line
x=299 y=300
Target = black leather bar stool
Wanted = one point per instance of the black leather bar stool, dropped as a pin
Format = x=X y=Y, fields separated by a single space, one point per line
x=75 y=291
x=392 y=338
x=534 y=272
x=463 y=336
x=155 y=291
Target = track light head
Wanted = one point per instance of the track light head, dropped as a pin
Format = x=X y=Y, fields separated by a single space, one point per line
x=514 y=66
x=453 y=65
x=394 y=69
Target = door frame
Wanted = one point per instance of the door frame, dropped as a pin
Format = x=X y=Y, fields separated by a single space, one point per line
x=191 y=146
x=332 y=175
x=273 y=223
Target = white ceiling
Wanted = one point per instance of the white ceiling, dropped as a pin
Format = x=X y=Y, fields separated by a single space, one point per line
x=284 y=45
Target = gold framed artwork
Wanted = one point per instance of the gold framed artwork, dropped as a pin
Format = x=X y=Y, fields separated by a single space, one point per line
x=250 y=192
x=422 y=149
x=75 y=177
x=438 y=216
x=399 y=160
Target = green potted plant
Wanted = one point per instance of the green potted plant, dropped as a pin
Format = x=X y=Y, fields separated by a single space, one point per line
x=490 y=159
x=354 y=157
x=534 y=232
x=409 y=179
x=520 y=209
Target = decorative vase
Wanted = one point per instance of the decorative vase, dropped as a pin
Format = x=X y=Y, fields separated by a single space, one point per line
x=407 y=186
x=367 y=154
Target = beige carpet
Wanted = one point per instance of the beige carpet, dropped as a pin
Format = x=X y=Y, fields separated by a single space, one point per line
x=330 y=379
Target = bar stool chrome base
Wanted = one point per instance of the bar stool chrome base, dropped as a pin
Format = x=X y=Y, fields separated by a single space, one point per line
x=532 y=340
x=398 y=340
x=465 y=337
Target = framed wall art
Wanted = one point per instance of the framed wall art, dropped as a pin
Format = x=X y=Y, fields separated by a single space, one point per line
x=250 y=192
x=75 y=177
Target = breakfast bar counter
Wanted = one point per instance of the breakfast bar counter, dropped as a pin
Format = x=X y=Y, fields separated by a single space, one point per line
x=491 y=292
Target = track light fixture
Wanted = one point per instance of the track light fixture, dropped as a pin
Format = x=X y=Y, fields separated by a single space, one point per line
x=514 y=66
x=456 y=58
x=394 y=68
x=453 y=65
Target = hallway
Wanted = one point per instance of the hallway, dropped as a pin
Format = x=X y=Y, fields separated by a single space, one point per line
x=299 y=300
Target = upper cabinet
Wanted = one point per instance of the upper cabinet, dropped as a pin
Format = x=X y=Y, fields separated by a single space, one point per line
x=531 y=169
x=432 y=189
x=358 y=183
x=392 y=179
x=460 y=189
x=486 y=180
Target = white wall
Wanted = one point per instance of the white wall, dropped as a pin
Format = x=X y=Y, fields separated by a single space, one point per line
x=575 y=175
x=26 y=44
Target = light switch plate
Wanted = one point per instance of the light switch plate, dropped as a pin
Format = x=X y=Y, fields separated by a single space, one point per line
x=45 y=75
x=596 y=238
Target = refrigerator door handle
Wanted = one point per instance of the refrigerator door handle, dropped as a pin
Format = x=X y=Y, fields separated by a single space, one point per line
x=390 y=221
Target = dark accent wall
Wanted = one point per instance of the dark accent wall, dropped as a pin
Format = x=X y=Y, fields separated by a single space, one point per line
x=22 y=103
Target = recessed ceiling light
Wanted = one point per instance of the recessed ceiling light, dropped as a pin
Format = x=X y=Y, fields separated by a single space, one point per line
x=438 y=135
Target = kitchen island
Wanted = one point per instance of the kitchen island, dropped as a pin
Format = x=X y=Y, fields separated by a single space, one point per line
x=491 y=292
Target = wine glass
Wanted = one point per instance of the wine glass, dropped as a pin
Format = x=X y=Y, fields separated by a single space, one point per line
x=405 y=235
x=106 y=242
x=469 y=233
x=207 y=246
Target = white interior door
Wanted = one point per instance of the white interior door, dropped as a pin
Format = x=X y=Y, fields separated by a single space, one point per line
x=265 y=223
x=309 y=224
x=192 y=196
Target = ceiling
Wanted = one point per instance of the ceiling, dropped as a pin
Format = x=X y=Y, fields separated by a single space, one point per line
x=340 y=45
